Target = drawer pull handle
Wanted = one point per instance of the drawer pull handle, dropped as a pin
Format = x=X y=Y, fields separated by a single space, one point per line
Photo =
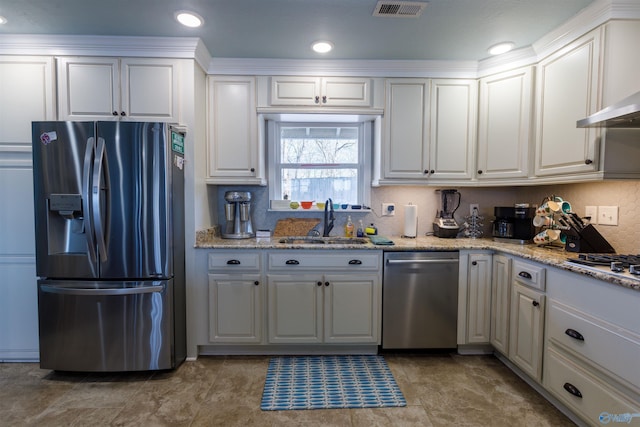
x=535 y=303
x=525 y=275
x=292 y=262
x=355 y=262
x=233 y=262
x=574 y=334
x=572 y=389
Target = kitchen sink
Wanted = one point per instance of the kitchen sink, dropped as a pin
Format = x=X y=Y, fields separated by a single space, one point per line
x=303 y=240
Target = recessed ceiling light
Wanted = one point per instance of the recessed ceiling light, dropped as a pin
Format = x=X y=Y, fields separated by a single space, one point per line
x=3 y=20
x=500 y=48
x=189 y=19
x=322 y=46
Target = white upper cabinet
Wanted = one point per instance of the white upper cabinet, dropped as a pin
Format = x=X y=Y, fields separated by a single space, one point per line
x=234 y=148
x=429 y=130
x=94 y=88
x=321 y=91
x=27 y=93
x=504 y=127
x=568 y=91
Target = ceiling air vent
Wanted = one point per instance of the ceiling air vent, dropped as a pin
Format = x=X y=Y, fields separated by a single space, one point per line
x=400 y=9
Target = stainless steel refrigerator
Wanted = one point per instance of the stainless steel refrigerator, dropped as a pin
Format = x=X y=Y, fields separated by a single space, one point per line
x=109 y=218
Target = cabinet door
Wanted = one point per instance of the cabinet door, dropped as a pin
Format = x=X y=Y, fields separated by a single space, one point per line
x=89 y=88
x=149 y=89
x=406 y=129
x=27 y=94
x=504 y=126
x=525 y=340
x=453 y=129
x=295 y=308
x=351 y=308
x=479 y=299
x=235 y=308
x=568 y=82
x=233 y=147
x=345 y=92
x=301 y=91
x=500 y=302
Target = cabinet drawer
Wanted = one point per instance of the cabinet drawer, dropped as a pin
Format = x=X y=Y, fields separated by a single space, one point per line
x=234 y=261
x=598 y=401
x=529 y=274
x=613 y=348
x=315 y=260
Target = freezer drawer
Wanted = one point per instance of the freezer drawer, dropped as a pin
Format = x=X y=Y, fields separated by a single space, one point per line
x=106 y=326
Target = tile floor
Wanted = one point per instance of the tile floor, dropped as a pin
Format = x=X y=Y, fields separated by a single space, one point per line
x=441 y=390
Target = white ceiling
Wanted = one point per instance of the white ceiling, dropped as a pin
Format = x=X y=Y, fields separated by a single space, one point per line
x=447 y=30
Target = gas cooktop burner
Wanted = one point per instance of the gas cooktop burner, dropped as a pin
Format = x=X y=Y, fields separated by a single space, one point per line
x=622 y=265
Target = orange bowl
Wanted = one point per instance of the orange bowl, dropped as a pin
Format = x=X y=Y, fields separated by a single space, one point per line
x=306 y=205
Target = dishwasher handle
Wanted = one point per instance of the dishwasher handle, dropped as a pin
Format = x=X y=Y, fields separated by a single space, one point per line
x=423 y=261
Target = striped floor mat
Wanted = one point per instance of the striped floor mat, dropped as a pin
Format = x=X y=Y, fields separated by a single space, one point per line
x=329 y=382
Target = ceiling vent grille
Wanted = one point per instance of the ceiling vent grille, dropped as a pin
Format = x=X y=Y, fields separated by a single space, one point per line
x=399 y=9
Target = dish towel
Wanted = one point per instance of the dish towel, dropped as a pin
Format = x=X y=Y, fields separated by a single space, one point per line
x=381 y=240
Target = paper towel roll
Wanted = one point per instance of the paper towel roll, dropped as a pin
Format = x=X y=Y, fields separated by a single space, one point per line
x=410 y=220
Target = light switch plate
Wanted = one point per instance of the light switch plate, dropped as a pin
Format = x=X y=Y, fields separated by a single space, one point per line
x=607 y=215
x=591 y=211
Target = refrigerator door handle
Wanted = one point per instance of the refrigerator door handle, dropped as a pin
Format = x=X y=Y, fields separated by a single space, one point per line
x=101 y=292
x=98 y=164
x=86 y=193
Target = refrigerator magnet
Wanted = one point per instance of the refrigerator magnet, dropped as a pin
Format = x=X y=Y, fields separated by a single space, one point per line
x=48 y=137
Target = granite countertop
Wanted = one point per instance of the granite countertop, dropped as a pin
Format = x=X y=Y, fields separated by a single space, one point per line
x=553 y=256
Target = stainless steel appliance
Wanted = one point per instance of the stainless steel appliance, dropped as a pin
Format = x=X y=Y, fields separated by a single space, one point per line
x=445 y=224
x=624 y=113
x=623 y=266
x=420 y=300
x=513 y=224
x=109 y=218
x=237 y=212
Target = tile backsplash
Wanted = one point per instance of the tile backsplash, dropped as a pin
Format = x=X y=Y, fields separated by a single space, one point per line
x=625 y=237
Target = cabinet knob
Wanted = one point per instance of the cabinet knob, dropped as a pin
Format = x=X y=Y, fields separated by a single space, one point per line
x=355 y=262
x=572 y=389
x=474 y=262
x=123 y=114
x=252 y=169
x=574 y=334
x=535 y=303
x=319 y=283
x=324 y=99
x=432 y=171
x=115 y=113
x=233 y=262
x=480 y=172
x=326 y=283
x=256 y=283
x=426 y=172
x=292 y=262
x=317 y=99
x=588 y=162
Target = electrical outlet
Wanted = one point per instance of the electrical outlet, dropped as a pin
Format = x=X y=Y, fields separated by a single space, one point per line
x=591 y=211
x=607 y=215
x=473 y=206
x=388 y=209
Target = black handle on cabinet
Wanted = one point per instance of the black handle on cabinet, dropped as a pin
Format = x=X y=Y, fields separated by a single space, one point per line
x=123 y=114
x=480 y=172
x=256 y=283
x=319 y=283
x=588 y=161
x=326 y=283
x=252 y=169
x=574 y=334
x=115 y=113
x=525 y=275
x=317 y=99
x=426 y=172
x=292 y=262
x=355 y=262
x=535 y=303
x=324 y=99
x=474 y=262
x=572 y=389
x=233 y=262
x=432 y=171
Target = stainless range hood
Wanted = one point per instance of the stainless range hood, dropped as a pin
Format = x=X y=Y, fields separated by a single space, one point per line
x=622 y=114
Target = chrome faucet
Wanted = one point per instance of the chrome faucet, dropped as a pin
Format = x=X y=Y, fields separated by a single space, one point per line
x=328 y=218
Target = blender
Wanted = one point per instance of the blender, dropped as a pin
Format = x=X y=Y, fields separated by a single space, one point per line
x=445 y=224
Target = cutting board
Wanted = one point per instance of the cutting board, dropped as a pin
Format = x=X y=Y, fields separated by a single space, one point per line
x=294 y=226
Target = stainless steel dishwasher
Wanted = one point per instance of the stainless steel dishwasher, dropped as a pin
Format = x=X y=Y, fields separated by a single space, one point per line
x=420 y=300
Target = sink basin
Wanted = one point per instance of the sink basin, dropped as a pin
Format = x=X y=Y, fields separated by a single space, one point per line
x=303 y=240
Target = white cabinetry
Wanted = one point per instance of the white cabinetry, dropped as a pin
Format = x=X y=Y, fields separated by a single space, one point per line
x=568 y=82
x=527 y=318
x=236 y=297
x=321 y=91
x=592 y=347
x=100 y=88
x=308 y=306
x=429 y=130
x=235 y=153
x=27 y=93
x=476 y=291
x=500 y=302
x=504 y=125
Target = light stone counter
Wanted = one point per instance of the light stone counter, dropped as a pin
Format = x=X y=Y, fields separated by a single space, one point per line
x=554 y=256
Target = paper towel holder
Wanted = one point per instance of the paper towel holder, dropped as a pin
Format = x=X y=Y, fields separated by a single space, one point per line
x=410 y=221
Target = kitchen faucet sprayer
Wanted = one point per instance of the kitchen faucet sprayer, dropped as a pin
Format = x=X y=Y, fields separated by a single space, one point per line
x=328 y=217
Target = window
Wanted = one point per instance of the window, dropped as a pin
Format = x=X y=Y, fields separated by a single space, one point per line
x=317 y=161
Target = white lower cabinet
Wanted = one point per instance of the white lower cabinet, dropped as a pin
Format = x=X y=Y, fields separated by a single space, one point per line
x=500 y=302
x=478 y=275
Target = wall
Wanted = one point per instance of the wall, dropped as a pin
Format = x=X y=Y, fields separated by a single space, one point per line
x=625 y=237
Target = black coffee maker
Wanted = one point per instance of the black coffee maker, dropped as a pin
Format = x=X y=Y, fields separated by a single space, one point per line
x=513 y=223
